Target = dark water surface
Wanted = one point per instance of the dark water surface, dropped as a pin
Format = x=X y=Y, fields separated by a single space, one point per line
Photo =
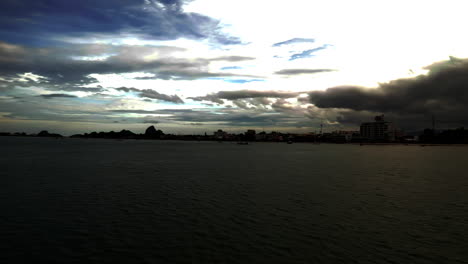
x=107 y=201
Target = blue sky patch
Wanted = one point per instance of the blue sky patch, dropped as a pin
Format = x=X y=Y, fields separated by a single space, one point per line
x=231 y=68
x=242 y=81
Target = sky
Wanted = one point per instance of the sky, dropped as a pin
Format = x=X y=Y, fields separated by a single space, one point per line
x=189 y=67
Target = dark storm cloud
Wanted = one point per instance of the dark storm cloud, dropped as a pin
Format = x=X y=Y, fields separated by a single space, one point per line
x=307 y=53
x=148 y=93
x=40 y=21
x=442 y=92
x=294 y=40
x=49 y=96
x=242 y=94
x=302 y=71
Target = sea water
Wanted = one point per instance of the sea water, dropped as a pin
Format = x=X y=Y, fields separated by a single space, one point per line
x=138 y=201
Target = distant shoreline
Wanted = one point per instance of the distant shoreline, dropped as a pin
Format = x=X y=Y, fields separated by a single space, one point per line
x=409 y=144
x=429 y=138
x=251 y=142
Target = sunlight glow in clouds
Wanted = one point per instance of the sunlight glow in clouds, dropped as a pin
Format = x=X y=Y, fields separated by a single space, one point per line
x=378 y=41
x=196 y=49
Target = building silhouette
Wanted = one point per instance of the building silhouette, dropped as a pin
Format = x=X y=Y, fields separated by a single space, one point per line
x=220 y=134
x=380 y=130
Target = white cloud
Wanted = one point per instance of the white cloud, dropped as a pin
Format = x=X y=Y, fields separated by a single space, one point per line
x=370 y=42
x=374 y=41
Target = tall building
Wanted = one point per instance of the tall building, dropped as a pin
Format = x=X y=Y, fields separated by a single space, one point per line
x=380 y=130
x=220 y=134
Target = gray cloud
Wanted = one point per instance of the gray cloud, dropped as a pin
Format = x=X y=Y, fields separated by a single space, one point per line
x=259 y=102
x=302 y=71
x=75 y=88
x=209 y=97
x=34 y=108
x=148 y=93
x=241 y=104
x=191 y=74
x=294 y=40
x=150 y=121
x=232 y=58
x=127 y=89
x=256 y=113
x=60 y=67
x=160 y=112
x=43 y=21
x=226 y=116
x=442 y=92
x=49 y=96
x=242 y=94
x=132 y=111
x=246 y=118
x=164 y=97
x=232 y=95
